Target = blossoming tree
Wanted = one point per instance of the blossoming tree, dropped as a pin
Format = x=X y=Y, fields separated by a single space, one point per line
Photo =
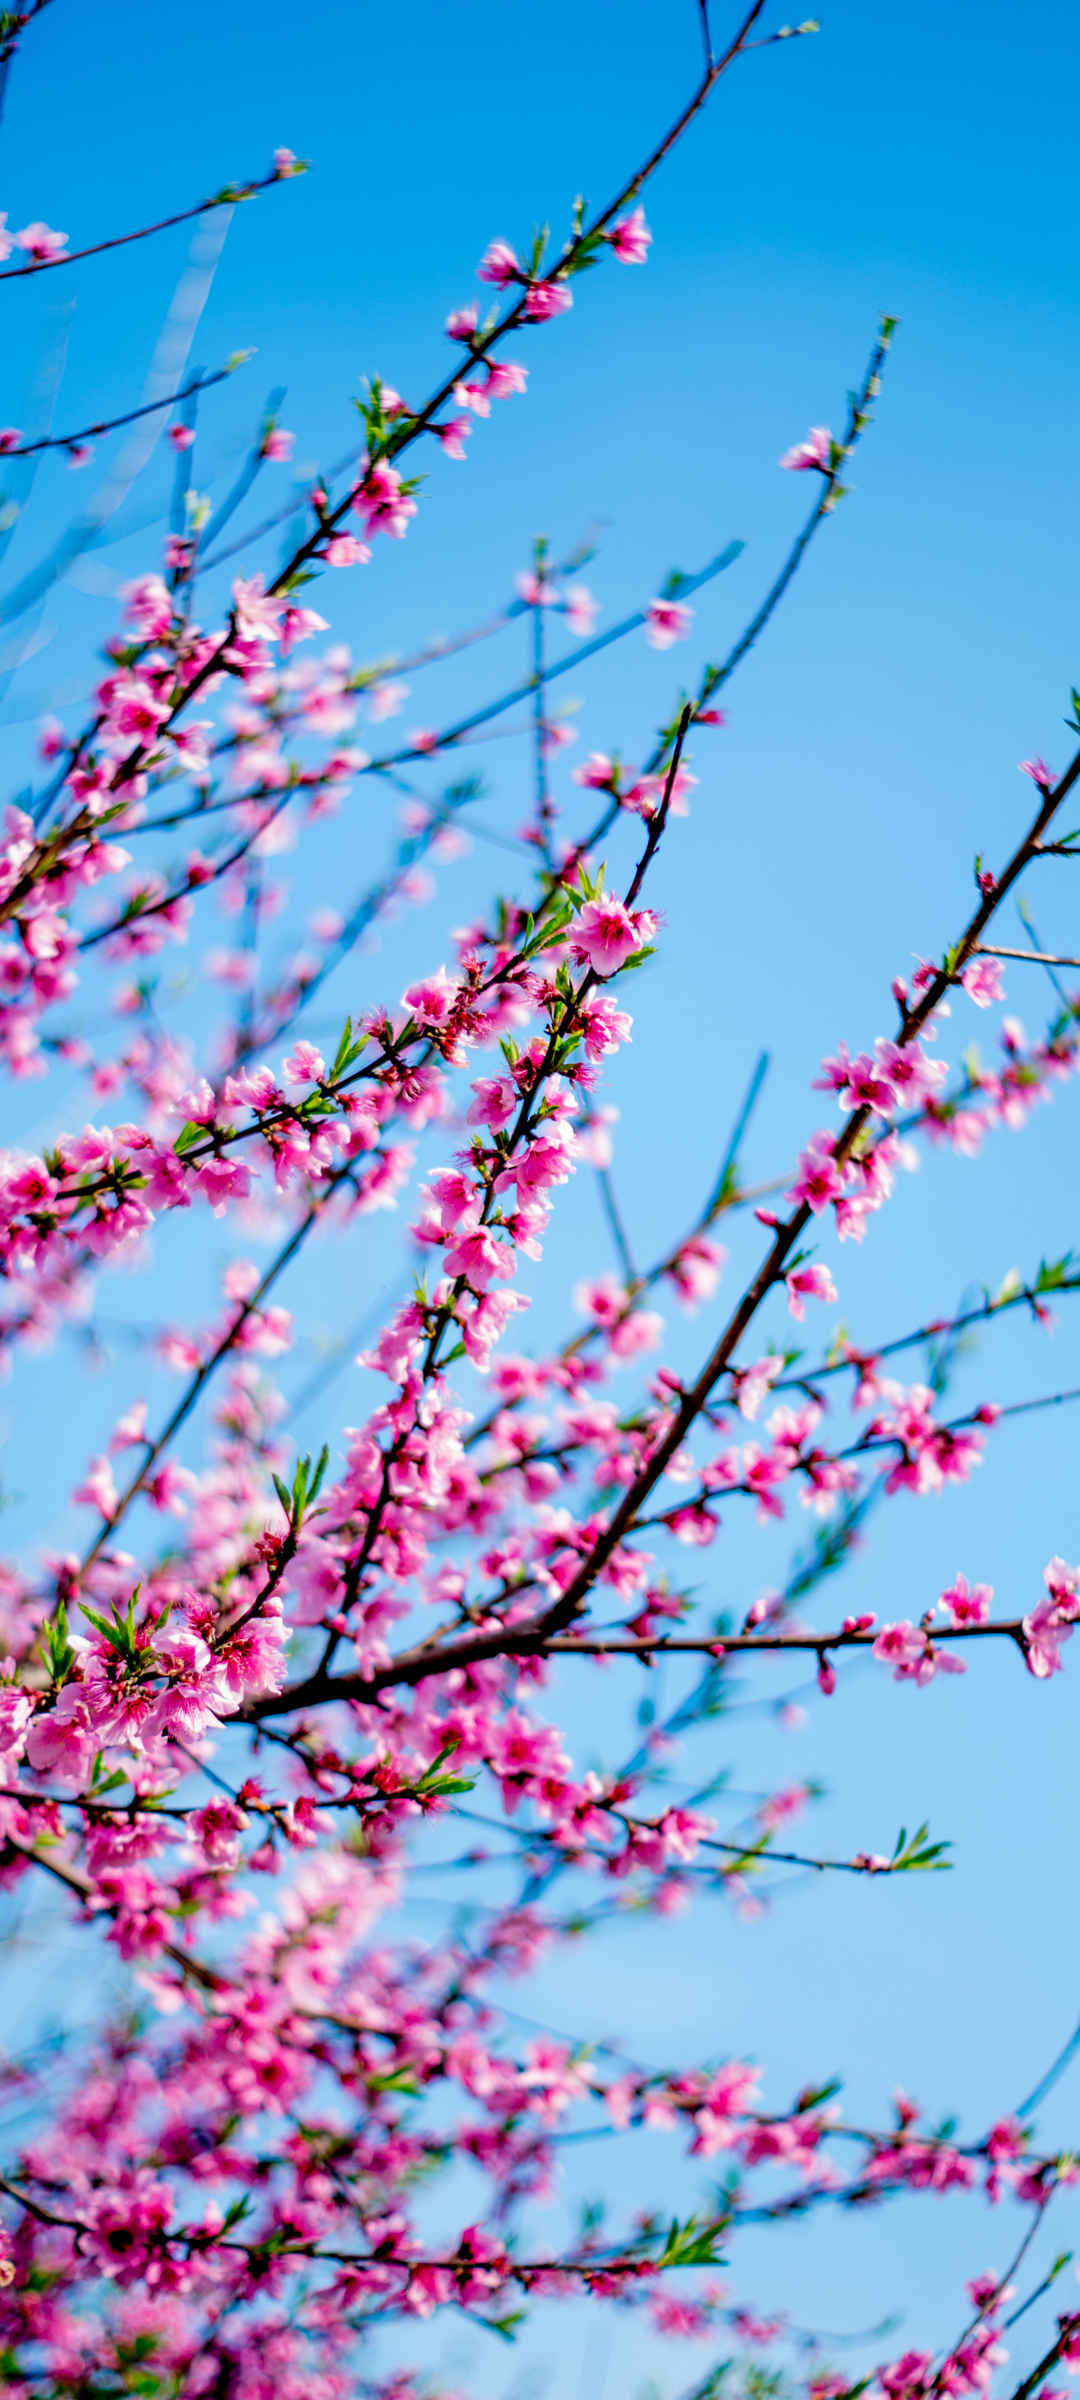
x=288 y=2139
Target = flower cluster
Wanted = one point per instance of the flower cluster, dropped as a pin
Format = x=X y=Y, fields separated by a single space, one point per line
x=269 y=1703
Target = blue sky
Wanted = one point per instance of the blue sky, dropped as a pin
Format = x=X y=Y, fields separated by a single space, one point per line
x=917 y=161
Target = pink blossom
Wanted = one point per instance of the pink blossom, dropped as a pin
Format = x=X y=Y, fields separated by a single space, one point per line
x=903 y=1645
x=598 y=773
x=499 y=265
x=968 y=1604
x=130 y=1427
x=98 y=1489
x=667 y=621
x=983 y=980
x=630 y=238
x=478 y=1255
x=453 y=435
x=40 y=242
x=505 y=378
x=432 y=1001
x=909 y=2377
x=383 y=503
x=606 y=934
x=815 y=451
x=753 y=1384
x=1044 y=1632
x=258 y=612
x=817 y=1180
x=581 y=610
x=344 y=550
x=808 y=1283
x=534 y=590
x=547 y=299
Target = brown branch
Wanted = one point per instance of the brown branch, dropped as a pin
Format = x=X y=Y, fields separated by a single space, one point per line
x=223 y=199
x=1035 y=958
x=531 y=1641
x=150 y=408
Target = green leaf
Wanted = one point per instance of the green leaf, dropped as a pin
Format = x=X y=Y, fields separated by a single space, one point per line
x=817 y=2094
x=348 y=1051
x=690 y=2245
x=395 y=2079
x=447 y=1751
x=554 y=928
x=118 y=1631
x=55 y=1647
x=919 y=1853
x=1055 y=1273
x=507 y=2326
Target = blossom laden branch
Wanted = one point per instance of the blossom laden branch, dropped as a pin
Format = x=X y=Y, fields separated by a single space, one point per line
x=45 y=248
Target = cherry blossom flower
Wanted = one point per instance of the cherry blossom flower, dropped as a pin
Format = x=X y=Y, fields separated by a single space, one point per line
x=815 y=451
x=667 y=621
x=630 y=238
x=606 y=934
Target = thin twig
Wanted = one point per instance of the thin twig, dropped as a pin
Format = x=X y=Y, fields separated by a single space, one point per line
x=69 y=258
x=150 y=408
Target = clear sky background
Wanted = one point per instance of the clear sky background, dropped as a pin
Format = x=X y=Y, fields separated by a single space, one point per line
x=918 y=160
